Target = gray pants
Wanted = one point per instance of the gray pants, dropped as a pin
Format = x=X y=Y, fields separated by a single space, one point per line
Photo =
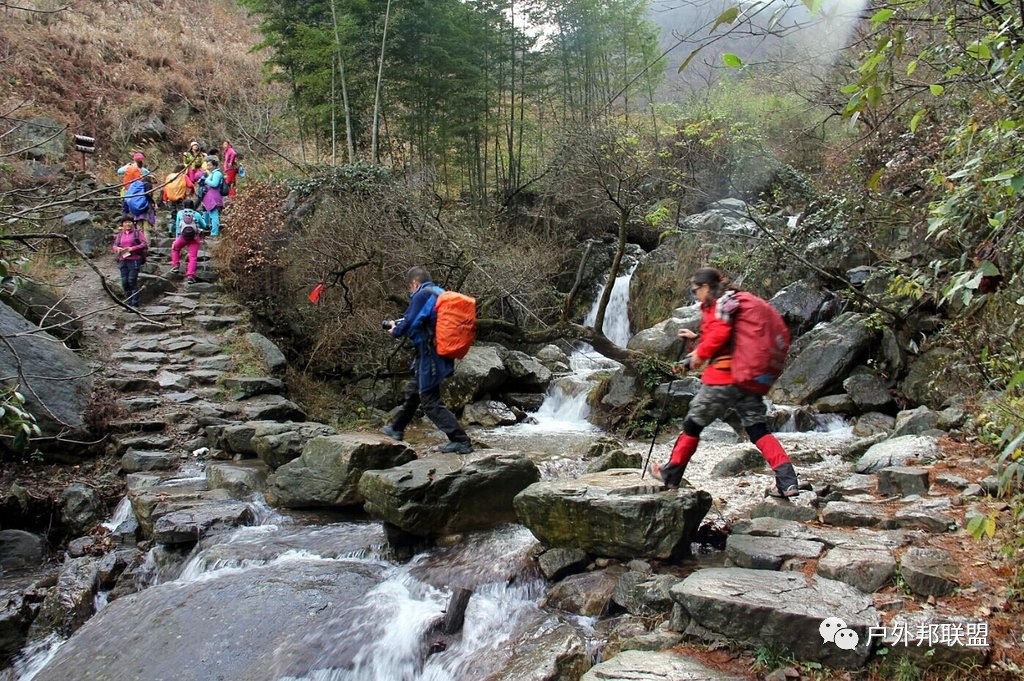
x=715 y=401
x=433 y=408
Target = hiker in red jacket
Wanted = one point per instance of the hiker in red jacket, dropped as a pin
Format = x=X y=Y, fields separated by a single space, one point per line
x=718 y=393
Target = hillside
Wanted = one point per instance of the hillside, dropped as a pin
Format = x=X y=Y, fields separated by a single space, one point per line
x=134 y=75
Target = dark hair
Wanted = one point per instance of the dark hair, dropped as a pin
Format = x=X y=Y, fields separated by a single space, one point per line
x=710 y=276
x=213 y=162
x=213 y=151
x=418 y=274
x=190 y=204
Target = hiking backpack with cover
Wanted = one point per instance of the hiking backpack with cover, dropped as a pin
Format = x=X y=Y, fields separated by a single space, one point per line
x=455 y=329
x=760 y=341
x=135 y=198
x=188 y=225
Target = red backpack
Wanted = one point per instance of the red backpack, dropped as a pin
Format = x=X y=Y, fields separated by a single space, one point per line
x=760 y=340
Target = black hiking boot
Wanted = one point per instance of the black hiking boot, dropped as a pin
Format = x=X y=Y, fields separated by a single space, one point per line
x=669 y=474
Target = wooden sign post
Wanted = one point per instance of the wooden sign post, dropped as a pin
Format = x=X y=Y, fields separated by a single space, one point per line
x=86 y=145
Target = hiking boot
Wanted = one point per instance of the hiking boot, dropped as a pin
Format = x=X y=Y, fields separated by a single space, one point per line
x=176 y=270
x=668 y=474
x=190 y=280
x=787 y=493
x=392 y=433
x=457 y=448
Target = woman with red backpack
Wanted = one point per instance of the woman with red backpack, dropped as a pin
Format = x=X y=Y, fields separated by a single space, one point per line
x=720 y=390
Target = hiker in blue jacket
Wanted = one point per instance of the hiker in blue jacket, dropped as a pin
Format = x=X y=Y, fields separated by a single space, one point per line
x=429 y=368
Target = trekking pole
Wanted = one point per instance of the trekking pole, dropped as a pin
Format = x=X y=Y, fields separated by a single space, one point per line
x=664 y=406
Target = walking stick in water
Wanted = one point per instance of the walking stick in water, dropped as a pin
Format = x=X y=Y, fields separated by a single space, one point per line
x=664 y=406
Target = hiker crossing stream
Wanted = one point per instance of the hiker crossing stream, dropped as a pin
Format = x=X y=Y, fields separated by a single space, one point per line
x=241 y=580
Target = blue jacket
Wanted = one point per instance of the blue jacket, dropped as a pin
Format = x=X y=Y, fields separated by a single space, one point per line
x=418 y=325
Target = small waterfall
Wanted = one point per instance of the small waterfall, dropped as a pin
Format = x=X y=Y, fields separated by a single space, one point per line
x=33 y=657
x=122 y=512
x=565 y=407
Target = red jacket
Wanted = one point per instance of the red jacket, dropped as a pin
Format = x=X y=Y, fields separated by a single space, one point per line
x=715 y=345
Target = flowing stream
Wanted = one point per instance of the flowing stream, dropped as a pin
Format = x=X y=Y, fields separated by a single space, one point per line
x=381 y=636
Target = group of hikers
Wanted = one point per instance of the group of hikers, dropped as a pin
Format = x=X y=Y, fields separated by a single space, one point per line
x=721 y=344
x=193 y=193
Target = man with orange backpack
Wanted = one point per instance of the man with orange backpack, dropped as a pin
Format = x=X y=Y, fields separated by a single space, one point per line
x=429 y=369
x=742 y=350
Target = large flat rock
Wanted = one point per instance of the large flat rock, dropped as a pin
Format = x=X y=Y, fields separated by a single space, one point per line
x=636 y=665
x=613 y=513
x=780 y=609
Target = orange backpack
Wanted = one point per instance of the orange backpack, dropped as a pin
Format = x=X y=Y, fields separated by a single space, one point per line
x=456 y=323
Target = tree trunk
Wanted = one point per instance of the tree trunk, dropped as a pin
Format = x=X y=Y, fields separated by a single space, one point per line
x=620 y=249
x=374 y=156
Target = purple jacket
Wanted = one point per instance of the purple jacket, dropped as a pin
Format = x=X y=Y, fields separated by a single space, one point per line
x=130 y=243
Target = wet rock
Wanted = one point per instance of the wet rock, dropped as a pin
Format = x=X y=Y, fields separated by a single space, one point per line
x=16 y=614
x=557 y=563
x=554 y=655
x=243 y=387
x=271 y=408
x=20 y=552
x=489 y=414
x=615 y=458
x=525 y=373
x=526 y=401
x=781 y=609
x=930 y=515
x=897 y=451
x=865 y=569
x=188 y=526
x=553 y=358
x=768 y=553
x=153 y=503
x=623 y=389
x=747 y=459
x=446 y=494
x=267 y=350
x=480 y=372
x=661 y=340
x=135 y=461
x=786 y=510
x=278 y=443
x=633 y=636
x=802 y=304
x=241 y=479
x=291 y=643
x=110 y=566
x=874 y=423
x=868 y=391
x=639 y=665
x=931 y=639
x=68 y=604
x=81 y=508
x=588 y=594
x=327 y=473
x=902 y=481
x=929 y=572
x=847 y=514
x=614 y=514
x=644 y=595
x=834 y=404
x=81 y=546
x=822 y=358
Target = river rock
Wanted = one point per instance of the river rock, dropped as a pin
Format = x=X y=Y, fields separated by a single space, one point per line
x=557 y=563
x=57 y=383
x=271 y=408
x=873 y=423
x=488 y=413
x=448 y=493
x=929 y=572
x=615 y=458
x=480 y=372
x=822 y=358
x=868 y=391
x=636 y=665
x=529 y=402
x=896 y=451
x=68 y=604
x=189 y=525
x=151 y=503
x=15 y=616
x=278 y=443
x=526 y=373
x=81 y=508
x=613 y=513
x=798 y=508
x=780 y=609
x=20 y=552
x=868 y=570
x=241 y=479
x=803 y=304
x=644 y=595
x=768 y=553
x=916 y=421
x=661 y=340
x=135 y=461
x=747 y=458
x=553 y=655
x=553 y=358
x=588 y=594
x=327 y=473
x=933 y=378
x=296 y=601
x=622 y=390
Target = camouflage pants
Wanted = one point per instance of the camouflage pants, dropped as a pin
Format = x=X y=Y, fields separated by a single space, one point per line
x=715 y=401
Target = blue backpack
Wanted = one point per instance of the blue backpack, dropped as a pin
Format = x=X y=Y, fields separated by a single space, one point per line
x=135 y=198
